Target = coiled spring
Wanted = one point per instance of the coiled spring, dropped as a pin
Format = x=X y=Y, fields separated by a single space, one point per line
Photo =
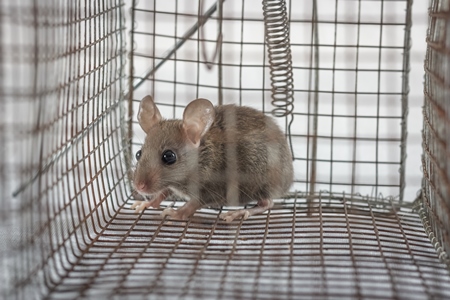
x=280 y=58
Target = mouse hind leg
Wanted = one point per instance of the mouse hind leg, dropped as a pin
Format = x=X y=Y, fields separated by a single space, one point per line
x=260 y=207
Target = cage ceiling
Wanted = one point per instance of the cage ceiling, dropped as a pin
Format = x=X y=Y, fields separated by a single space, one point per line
x=335 y=78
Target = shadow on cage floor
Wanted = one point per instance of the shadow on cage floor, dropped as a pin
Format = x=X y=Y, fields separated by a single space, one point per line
x=331 y=246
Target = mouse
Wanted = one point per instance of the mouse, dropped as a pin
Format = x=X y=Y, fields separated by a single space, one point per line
x=225 y=155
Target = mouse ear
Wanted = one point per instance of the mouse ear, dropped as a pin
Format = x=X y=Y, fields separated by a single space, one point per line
x=197 y=119
x=148 y=114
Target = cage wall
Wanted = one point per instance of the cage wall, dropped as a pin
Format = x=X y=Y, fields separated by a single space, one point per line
x=436 y=129
x=350 y=63
x=62 y=166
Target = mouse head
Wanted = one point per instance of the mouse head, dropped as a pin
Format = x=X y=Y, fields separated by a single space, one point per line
x=170 y=151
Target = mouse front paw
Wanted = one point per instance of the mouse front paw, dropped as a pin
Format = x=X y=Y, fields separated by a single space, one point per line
x=139 y=206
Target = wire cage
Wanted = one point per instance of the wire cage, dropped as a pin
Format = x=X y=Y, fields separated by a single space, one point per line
x=335 y=78
x=347 y=131
x=436 y=133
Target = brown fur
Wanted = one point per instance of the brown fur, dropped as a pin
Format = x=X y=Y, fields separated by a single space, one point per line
x=243 y=157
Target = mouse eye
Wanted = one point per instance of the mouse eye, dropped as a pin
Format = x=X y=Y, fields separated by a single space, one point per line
x=169 y=157
x=138 y=155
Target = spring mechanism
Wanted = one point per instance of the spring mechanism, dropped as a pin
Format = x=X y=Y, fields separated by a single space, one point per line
x=280 y=58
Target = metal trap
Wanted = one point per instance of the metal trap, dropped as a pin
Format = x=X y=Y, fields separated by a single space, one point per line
x=335 y=76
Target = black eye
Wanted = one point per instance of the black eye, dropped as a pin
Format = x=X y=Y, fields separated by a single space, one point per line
x=169 y=157
x=138 y=155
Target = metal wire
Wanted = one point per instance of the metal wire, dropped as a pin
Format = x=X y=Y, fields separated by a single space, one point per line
x=435 y=194
x=201 y=21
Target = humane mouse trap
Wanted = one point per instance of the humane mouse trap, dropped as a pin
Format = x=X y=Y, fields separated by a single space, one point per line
x=334 y=76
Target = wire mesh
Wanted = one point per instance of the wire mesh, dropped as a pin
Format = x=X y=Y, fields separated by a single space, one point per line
x=68 y=131
x=341 y=248
x=436 y=132
x=62 y=111
x=350 y=59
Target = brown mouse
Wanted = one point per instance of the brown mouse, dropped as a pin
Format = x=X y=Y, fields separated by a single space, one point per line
x=214 y=156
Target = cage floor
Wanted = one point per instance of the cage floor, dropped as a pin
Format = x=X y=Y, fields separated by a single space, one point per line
x=330 y=247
